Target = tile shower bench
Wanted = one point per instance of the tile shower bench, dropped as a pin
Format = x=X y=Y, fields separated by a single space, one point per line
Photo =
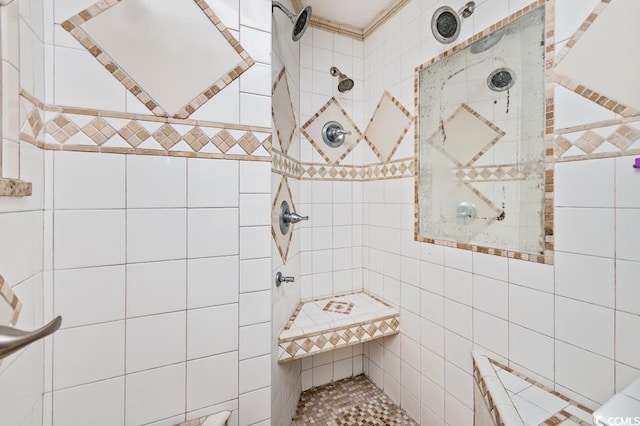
x=322 y=325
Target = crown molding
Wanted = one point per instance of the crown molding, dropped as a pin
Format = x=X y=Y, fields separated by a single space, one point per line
x=350 y=31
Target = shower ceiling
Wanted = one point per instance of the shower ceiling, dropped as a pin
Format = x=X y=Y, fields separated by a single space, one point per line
x=355 y=15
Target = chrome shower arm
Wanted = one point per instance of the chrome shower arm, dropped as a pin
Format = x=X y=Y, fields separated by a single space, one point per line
x=283 y=8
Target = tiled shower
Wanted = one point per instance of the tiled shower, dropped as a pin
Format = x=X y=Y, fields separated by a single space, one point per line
x=141 y=189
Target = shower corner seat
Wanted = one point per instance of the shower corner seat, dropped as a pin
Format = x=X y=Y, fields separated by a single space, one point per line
x=333 y=322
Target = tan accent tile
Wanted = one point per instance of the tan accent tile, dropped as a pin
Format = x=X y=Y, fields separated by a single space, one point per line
x=166 y=136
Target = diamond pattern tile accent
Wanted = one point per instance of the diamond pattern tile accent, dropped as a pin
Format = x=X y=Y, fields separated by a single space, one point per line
x=224 y=141
x=284 y=118
x=249 y=143
x=134 y=133
x=150 y=74
x=196 y=139
x=352 y=335
x=167 y=136
x=454 y=139
x=61 y=128
x=254 y=144
x=338 y=307
x=589 y=141
x=388 y=126
x=283 y=242
x=35 y=121
x=99 y=131
x=312 y=130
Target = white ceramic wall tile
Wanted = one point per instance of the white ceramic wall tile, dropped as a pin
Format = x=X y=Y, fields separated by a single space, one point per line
x=147 y=337
x=155 y=394
x=585 y=325
x=531 y=309
x=255 y=373
x=156 y=234
x=255 y=275
x=89 y=295
x=571 y=363
x=212 y=380
x=89 y=238
x=213 y=232
x=255 y=242
x=255 y=177
x=627 y=195
x=154 y=182
x=157 y=287
x=570 y=224
x=88 y=354
x=491 y=332
x=458 y=318
x=212 y=183
x=585 y=183
x=532 y=350
x=255 y=209
x=212 y=281
x=628 y=234
x=496 y=267
x=456 y=413
x=530 y=274
x=103 y=400
x=490 y=296
x=255 y=406
x=255 y=307
x=254 y=340
x=628 y=339
x=212 y=331
x=627 y=288
x=88 y=181
x=586 y=278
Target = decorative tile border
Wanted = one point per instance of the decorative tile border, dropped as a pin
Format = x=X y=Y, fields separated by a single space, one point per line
x=15 y=188
x=73 y=26
x=377 y=116
x=547 y=257
x=125 y=133
x=598 y=142
x=12 y=300
x=336 y=338
x=290 y=167
x=318 y=144
x=495 y=173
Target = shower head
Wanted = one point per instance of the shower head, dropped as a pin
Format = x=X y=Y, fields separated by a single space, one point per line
x=501 y=79
x=344 y=83
x=487 y=42
x=300 y=22
x=446 y=22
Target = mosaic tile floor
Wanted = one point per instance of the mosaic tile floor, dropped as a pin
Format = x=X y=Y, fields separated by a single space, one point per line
x=350 y=402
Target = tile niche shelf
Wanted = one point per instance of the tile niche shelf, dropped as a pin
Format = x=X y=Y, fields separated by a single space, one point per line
x=15 y=188
x=322 y=325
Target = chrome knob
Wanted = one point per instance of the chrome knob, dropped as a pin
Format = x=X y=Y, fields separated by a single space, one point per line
x=334 y=134
x=287 y=217
x=282 y=279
